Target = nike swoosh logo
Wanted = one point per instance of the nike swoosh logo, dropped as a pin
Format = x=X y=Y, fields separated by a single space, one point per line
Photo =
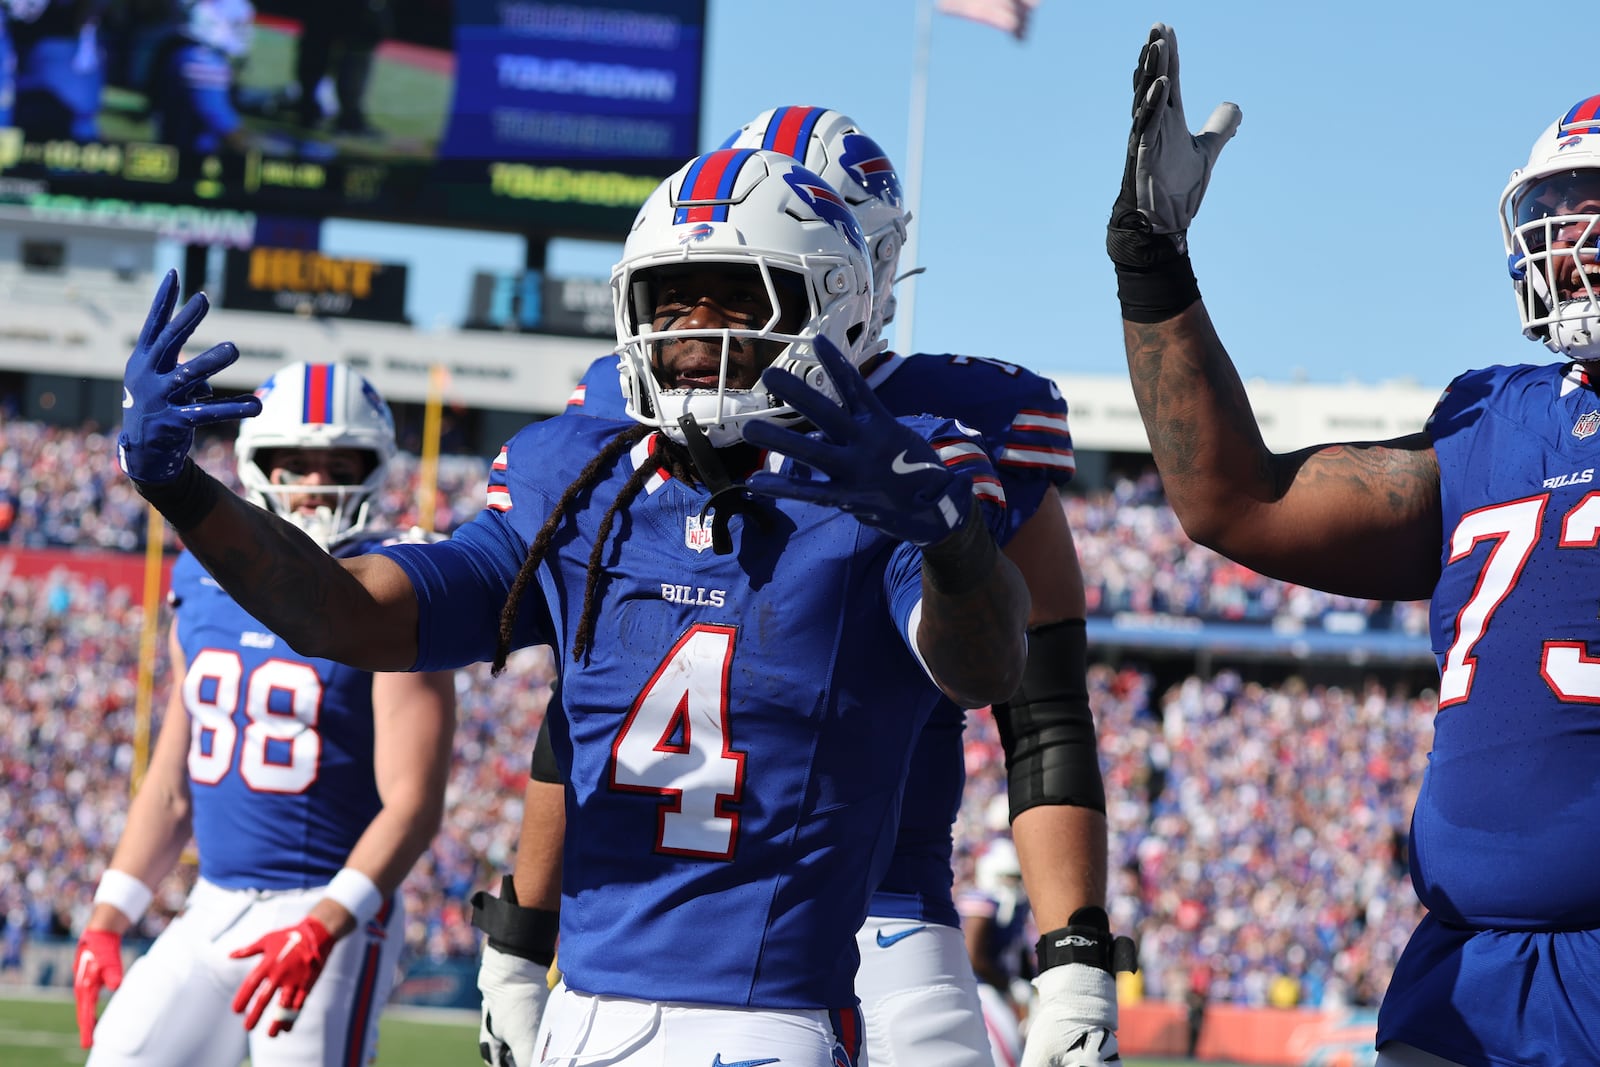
x=127 y=397
x=897 y=936
x=900 y=466
x=718 y=1061
x=289 y=943
x=86 y=961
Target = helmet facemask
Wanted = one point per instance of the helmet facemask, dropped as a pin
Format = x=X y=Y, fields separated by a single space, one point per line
x=1555 y=262
x=309 y=408
x=326 y=524
x=718 y=409
x=1550 y=224
x=794 y=241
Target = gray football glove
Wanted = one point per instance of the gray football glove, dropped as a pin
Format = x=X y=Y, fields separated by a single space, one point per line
x=1167 y=167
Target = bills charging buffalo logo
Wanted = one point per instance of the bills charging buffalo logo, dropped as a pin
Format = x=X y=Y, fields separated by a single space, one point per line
x=829 y=205
x=698 y=232
x=1570 y=142
x=869 y=165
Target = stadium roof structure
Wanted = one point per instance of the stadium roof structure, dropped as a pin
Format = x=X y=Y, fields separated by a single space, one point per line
x=1336 y=638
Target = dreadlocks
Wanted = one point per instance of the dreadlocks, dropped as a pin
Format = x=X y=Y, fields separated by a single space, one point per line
x=670 y=456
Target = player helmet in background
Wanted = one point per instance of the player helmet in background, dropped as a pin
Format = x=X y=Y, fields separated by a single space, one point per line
x=226 y=25
x=313 y=406
x=755 y=209
x=1550 y=220
x=833 y=145
x=998 y=869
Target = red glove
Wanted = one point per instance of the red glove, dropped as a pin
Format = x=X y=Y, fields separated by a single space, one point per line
x=291 y=961
x=97 y=966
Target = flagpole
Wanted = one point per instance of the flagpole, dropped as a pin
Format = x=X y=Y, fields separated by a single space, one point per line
x=906 y=300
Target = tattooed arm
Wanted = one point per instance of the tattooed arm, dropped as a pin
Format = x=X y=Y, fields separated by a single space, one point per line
x=361 y=611
x=974 y=609
x=1358 y=518
x=1361 y=518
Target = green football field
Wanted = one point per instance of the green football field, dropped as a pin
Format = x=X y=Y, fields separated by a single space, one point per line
x=41 y=1033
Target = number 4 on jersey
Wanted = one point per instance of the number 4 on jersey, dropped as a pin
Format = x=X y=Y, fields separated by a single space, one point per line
x=675 y=743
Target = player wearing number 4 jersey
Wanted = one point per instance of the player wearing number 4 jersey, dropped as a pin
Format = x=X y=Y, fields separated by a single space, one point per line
x=1491 y=512
x=733 y=725
x=310 y=789
x=918 y=993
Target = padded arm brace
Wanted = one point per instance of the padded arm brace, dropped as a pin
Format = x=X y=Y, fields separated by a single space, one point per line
x=1046 y=727
x=526 y=932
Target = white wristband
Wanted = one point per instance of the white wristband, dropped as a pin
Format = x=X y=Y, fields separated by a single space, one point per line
x=358 y=894
x=124 y=892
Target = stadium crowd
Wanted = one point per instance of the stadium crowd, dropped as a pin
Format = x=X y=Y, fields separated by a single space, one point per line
x=1257 y=833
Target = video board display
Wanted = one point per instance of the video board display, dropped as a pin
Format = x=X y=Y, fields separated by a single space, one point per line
x=498 y=114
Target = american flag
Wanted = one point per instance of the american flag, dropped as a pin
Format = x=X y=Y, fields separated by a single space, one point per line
x=1008 y=15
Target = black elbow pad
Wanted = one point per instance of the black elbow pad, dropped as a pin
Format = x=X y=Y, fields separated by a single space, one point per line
x=1047 y=728
x=542 y=768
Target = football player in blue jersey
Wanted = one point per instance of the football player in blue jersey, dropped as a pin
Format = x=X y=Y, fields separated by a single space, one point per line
x=309 y=788
x=8 y=68
x=919 y=996
x=191 y=77
x=1490 y=512
x=761 y=584
x=994 y=916
x=59 y=69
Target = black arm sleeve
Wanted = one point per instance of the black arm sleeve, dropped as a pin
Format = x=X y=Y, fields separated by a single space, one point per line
x=543 y=766
x=1047 y=728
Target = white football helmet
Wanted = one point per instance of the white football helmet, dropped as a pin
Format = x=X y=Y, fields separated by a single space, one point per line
x=754 y=209
x=226 y=25
x=1550 y=220
x=998 y=868
x=833 y=145
x=317 y=406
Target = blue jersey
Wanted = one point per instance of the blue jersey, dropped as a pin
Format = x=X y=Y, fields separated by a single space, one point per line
x=1022 y=422
x=734 y=740
x=8 y=73
x=280 y=745
x=1502 y=835
x=58 y=76
x=190 y=97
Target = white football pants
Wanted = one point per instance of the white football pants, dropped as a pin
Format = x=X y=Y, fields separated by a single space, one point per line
x=174 y=1008
x=919 y=998
x=581 y=1030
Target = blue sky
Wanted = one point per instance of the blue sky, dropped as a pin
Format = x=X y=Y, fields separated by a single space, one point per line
x=1349 y=233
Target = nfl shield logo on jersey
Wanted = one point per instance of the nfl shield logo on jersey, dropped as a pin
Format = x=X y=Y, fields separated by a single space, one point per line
x=697 y=534
x=1586 y=425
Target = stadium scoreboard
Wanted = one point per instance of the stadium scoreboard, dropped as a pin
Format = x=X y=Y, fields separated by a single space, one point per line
x=557 y=118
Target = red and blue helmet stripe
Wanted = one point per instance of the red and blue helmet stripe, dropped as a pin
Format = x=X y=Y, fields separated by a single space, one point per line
x=1583 y=117
x=709 y=178
x=317 y=402
x=789 y=130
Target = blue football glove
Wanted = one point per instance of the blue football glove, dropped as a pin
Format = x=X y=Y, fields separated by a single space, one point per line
x=163 y=401
x=876 y=467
